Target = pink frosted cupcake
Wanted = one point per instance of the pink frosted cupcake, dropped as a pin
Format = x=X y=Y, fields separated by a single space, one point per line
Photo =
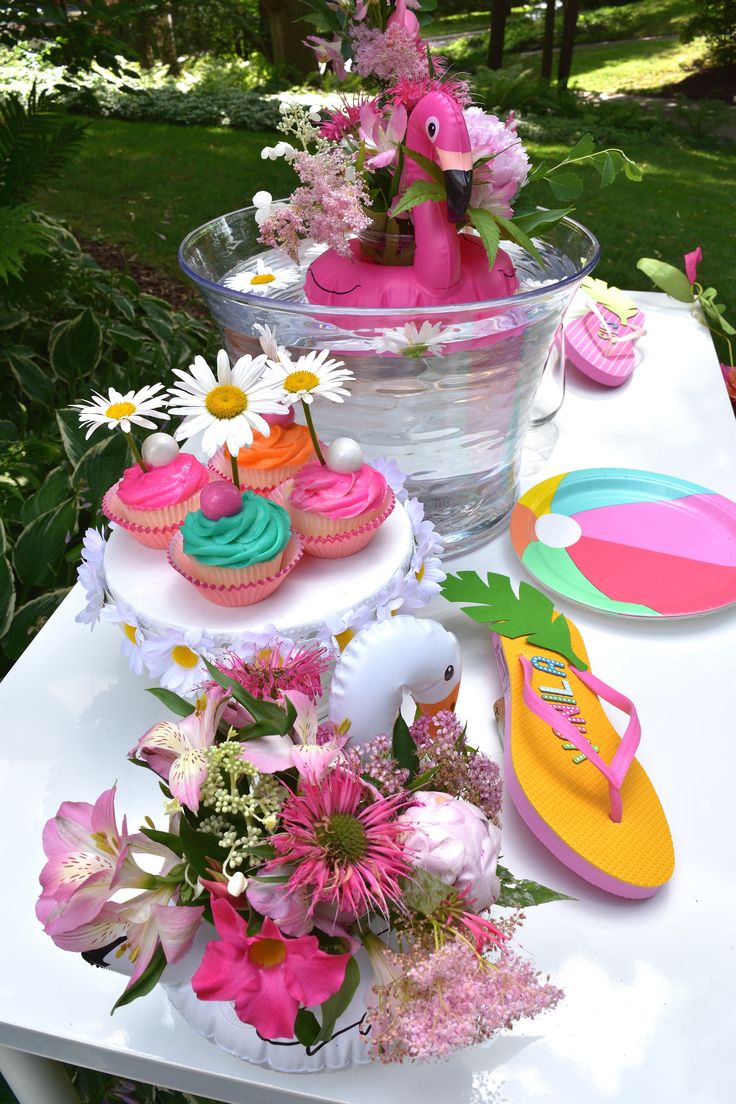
x=337 y=507
x=151 y=505
x=237 y=548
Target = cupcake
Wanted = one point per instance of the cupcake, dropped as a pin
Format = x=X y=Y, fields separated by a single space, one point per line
x=237 y=548
x=337 y=507
x=269 y=460
x=152 y=504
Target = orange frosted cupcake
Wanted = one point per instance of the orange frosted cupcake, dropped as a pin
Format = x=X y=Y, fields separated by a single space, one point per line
x=269 y=460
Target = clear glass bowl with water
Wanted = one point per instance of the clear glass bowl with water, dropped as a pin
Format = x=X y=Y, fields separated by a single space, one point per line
x=451 y=411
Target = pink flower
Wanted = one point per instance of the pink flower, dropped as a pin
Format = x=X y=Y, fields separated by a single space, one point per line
x=389 y=54
x=311 y=757
x=383 y=134
x=338 y=124
x=345 y=843
x=409 y=90
x=328 y=53
x=497 y=180
x=267 y=976
x=176 y=751
x=272 y=668
x=692 y=260
x=88 y=858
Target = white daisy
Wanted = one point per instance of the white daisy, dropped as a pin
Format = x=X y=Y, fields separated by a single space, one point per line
x=132 y=408
x=393 y=475
x=91 y=575
x=261 y=280
x=133 y=638
x=341 y=628
x=175 y=658
x=269 y=343
x=409 y=341
x=226 y=408
x=310 y=375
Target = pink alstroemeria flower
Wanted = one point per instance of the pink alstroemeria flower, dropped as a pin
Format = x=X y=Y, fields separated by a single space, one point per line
x=88 y=858
x=270 y=754
x=291 y=908
x=383 y=134
x=328 y=53
x=692 y=260
x=176 y=751
x=267 y=975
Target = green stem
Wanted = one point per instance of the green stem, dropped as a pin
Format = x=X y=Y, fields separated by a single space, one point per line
x=312 y=433
x=135 y=451
x=234 y=470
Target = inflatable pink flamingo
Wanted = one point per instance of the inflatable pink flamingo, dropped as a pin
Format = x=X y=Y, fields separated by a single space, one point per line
x=449 y=267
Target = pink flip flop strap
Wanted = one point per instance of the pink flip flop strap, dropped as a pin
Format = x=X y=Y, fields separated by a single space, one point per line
x=614 y=772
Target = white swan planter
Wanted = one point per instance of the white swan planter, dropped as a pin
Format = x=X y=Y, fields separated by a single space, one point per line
x=401 y=655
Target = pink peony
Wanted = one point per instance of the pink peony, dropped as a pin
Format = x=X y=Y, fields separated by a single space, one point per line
x=455 y=841
x=496 y=181
x=267 y=975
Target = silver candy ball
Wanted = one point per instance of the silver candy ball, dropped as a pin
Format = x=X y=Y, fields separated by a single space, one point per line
x=159 y=449
x=344 y=455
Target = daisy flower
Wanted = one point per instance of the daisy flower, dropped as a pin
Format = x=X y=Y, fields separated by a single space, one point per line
x=270 y=344
x=132 y=408
x=175 y=658
x=344 y=843
x=409 y=341
x=133 y=638
x=312 y=374
x=261 y=280
x=227 y=407
x=91 y=576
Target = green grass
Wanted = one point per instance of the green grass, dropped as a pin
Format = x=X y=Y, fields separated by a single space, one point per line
x=136 y=181
x=635 y=66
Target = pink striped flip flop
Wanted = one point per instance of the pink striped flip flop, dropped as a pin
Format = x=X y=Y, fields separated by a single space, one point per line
x=601 y=346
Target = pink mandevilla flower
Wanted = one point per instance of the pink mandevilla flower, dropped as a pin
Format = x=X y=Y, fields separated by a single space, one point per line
x=345 y=842
x=176 y=751
x=382 y=133
x=267 y=975
x=692 y=260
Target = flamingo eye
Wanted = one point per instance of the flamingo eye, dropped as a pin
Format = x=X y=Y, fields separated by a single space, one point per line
x=450 y=671
x=433 y=127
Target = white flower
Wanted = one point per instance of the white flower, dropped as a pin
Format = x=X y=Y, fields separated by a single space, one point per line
x=272 y=153
x=132 y=408
x=175 y=658
x=91 y=576
x=393 y=475
x=315 y=114
x=312 y=374
x=269 y=344
x=395 y=596
x=343 y=627
x=429 y=339
x=133 y=638
x=261 y=280
x=226 y=408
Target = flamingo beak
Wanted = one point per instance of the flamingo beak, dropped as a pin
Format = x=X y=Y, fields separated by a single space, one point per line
x=457 y=169
x=431 y=709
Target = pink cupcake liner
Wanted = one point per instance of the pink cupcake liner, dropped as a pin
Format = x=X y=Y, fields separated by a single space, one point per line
x=329 y=544
x=235 y=586
x=252 y=479
x=153 y=528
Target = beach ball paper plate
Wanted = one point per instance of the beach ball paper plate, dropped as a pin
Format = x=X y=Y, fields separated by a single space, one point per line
x=629 y=542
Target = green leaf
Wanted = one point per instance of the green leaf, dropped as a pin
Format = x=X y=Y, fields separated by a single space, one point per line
x=35 y=384
x=3 y=539
x=41 y=544
x=584 y=147
x=7 y=595
x=520 y=893
x=429 y=166
x=608 y=171
x=75 y=346
x=515 y=232
x=29 y=619
x=55 y=489
x=531 y=615
x=564 y=185
x=72 y=435
x=101 y=466
x=667 y=277
x=306 y=1027
x=421 y=191
x=280 y=720
x=167 y=839
x=335 y=1005
x=146 y=982
x=487 y=227
x=403 y=748
x=536 y=221
x=200 y=848
x=172 y=701
x=424 y=892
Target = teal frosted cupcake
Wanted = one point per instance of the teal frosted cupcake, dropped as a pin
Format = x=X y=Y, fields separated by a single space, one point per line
x=237 y=548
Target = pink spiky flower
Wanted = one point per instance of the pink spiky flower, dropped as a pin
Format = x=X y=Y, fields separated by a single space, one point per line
x=277 y=669
x=409 y=90
x=345 y=843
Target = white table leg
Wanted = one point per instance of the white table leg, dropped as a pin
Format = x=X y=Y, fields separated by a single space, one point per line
x=36 y=1080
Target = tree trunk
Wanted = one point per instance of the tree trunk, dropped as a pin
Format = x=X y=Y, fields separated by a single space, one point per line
x=569 y=28
x=167 y=41
x=548 y=42
x=499 y=10
x=287 y=35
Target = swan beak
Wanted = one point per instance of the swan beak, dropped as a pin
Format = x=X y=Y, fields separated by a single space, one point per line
x=457 y=169
x=431 y=709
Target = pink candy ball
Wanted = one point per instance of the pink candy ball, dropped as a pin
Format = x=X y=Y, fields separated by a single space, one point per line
x=220 y=499
x=284 y=420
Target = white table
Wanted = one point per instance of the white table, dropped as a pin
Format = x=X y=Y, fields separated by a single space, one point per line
x=649 y=1008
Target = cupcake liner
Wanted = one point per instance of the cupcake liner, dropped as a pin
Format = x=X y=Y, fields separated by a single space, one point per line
x=227 y=586
x=321 y=538
x=260 y=480
x=154 y=528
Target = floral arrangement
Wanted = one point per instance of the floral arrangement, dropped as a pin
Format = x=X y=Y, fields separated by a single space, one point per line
x=357 y=169
x=305 y=857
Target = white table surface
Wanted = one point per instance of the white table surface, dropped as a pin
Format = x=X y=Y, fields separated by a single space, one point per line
x=648 y=1014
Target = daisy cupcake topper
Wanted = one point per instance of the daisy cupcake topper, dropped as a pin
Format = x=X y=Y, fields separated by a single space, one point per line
x=313 y=374
x=123 y=411
x=226 y=406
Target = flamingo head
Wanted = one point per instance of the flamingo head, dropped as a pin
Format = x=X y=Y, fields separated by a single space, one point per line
x=437 y=130
x=441 y=689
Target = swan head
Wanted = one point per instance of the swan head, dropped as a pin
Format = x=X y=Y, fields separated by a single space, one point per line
x=438 y=130
x=441 y=683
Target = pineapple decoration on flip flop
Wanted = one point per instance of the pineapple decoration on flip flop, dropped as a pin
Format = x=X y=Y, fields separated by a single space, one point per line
x=601 y=343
